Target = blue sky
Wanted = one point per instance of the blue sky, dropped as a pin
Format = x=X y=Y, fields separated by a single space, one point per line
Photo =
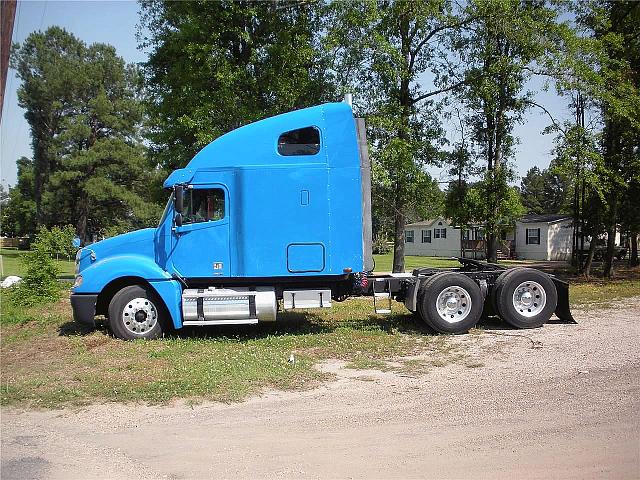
x=115 y=23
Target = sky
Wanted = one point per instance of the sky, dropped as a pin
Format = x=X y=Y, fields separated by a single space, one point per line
x=115 y=23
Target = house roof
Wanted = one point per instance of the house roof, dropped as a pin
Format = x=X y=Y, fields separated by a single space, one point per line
x=428 y=223
x=545 y=218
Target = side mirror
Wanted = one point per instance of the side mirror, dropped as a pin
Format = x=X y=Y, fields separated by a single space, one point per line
x=76 y=242
x=178 y=219
x=178 y=197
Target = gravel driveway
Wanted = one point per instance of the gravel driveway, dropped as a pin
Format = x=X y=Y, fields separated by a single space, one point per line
x=562 y=401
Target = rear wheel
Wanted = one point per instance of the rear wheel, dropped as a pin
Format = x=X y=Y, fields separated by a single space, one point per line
x=450 y=303
x=526 y=298
x=137 y=312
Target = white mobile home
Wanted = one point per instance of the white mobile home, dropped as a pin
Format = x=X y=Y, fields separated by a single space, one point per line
x=544 y=237
x=432 y=238
x=536 y=237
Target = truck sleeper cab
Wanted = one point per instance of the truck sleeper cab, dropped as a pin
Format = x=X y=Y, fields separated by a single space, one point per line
x=279 y=211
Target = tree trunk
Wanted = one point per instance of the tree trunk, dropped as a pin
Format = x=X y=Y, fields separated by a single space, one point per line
x=611 y=238
x=633 y=255
x=589 y=260
x=398 y=232
x=492 y=248
x=81 y=224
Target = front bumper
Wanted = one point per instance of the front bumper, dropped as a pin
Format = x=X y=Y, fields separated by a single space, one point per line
x=84 y=308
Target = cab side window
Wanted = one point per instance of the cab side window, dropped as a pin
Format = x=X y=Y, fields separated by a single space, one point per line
x=203 y=205
x=303 y=141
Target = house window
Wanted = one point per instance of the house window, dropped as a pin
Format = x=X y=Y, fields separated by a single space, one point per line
x=439 y=233
x=533 y=236
x=303 y=141
x=426 y=236
x=465 y=234
x=203 y=205
x=408 y=236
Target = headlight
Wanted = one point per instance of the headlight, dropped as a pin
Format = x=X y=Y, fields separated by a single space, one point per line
x=78 y=281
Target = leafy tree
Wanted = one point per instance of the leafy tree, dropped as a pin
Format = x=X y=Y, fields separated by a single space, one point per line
x=215 y=66
x=19 y=211
x=382 y=50
x=85 y=116
x=544 y=191
x=498 y=50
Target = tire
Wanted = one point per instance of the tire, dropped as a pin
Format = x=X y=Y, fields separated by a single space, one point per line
x=498 y=285
x=526 y=298
x=450 y=303
x=137 y=312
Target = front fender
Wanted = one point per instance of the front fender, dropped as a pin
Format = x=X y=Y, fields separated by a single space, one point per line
x=101 y=273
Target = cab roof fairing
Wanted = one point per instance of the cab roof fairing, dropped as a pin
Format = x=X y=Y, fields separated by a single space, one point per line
x=255 y=144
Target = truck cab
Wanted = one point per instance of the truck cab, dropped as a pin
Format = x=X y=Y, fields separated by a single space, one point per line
x=277 y=210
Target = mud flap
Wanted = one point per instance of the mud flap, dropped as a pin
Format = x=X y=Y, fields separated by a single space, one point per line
x=563 y=311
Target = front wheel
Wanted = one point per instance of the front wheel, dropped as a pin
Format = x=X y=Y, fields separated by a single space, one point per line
x=450 y=303
x=137 y=312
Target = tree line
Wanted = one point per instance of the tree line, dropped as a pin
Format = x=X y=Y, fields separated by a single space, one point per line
x=105 y=133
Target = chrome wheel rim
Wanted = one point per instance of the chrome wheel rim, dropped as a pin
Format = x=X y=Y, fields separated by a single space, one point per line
x=529 y=299
x=453 y=304
x=139 y=316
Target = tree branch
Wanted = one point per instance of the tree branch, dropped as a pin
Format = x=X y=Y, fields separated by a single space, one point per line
x=437 y=92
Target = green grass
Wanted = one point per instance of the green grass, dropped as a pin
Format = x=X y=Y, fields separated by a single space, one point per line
x=12 y=265
x=601 y=292
x=49 y=362
x=384 y=263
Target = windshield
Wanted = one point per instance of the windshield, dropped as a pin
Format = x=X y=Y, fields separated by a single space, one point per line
x=166 y=210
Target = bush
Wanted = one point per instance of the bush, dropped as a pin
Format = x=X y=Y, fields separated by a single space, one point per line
x=40 y=284
x=57 y=241
x=381 y=245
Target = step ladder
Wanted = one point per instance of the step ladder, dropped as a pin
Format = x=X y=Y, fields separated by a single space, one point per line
x=379 y=294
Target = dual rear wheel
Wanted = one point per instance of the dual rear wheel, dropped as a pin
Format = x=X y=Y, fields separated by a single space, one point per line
x=452 y=302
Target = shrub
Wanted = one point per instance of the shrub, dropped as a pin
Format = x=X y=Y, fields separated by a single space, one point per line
x=40 y=283
x=381 y=245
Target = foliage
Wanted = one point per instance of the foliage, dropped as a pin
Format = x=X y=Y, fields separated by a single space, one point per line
x=57 y=241
x=40 y=284
x=503 y=42
x=545 y=191
x=215 y=66
x=19 y=212
x=381 y=49
x=82 y=104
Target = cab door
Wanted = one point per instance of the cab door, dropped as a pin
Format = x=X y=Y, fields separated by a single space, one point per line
x=200 y=246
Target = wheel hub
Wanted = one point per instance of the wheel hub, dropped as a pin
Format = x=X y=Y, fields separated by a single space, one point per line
x=453 y=304
x=139 y=315
x=529 y=299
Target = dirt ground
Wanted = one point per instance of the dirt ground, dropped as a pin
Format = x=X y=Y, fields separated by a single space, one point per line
x=562 y=401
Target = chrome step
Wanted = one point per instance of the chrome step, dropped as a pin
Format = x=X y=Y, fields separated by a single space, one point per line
x=384 y=293
x=202 y=323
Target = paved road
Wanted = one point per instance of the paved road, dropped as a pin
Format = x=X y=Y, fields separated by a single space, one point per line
x=570 y=409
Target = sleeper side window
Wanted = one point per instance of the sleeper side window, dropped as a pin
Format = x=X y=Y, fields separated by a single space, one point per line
x=203 y=205
x=303 y=141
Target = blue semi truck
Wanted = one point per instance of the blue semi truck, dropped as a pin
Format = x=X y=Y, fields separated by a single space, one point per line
x=277 y=215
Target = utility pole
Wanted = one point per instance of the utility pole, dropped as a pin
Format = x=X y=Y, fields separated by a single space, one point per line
x=7 y=16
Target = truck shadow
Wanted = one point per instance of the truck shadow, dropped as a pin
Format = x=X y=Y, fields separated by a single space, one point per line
x=288 y=323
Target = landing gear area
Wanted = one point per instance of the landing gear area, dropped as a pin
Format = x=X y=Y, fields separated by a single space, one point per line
x=453 y=301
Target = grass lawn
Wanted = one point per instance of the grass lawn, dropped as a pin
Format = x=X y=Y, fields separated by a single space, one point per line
x=48 y=361
x=384 y=262
x=11 y=264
